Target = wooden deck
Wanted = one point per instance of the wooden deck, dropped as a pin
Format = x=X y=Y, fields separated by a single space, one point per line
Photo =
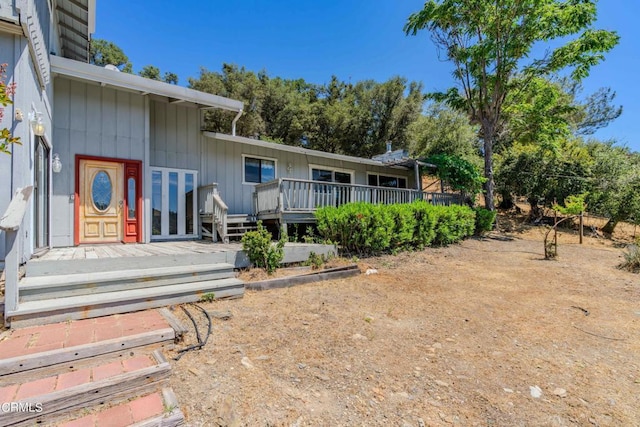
x=119 y=250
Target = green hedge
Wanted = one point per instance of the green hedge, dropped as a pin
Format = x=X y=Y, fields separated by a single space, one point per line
x=367 y=229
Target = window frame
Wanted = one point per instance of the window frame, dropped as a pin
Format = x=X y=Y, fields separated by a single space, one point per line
x=398 y=177
x=252 y=156
x=164 y=203
x=333 y=170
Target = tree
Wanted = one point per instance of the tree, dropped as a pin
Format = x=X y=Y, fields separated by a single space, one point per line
x=458 y=173
x=236 y=83
x=544 y=174
x=103 y=52
x=6 y=98
x=152 y=72
x=616 y=183
x=490 y=43
x=442 y=130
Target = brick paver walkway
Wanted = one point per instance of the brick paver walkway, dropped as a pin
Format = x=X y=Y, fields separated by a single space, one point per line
x=123 y=415
x=38 y=339
x=16 y=392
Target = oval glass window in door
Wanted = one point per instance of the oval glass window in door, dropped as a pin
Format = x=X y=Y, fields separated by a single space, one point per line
x=101 y=189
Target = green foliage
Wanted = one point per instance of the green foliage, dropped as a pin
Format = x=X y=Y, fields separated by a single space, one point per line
x=208 y=297
x=615 y=182
x=425 y=231
x=316 y=261
x=573 y=205
x=442 y=130
x=484 y=220
x=404 y=226
x=337 y=117
x=103 y=52
x=544 y=174
x=261 y=251
x=152 y=72
x=490 y=44
x=369 y=229
x=458 y=173
x=453 y=223
x=6 y=98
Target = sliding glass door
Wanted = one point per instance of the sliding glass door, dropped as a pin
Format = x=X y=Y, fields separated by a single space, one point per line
x=174 y=204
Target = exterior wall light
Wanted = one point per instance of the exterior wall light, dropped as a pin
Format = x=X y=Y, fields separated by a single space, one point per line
x=56 y=164
x=36 y=123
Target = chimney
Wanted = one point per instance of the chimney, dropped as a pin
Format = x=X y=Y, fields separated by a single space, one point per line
x=388 y=146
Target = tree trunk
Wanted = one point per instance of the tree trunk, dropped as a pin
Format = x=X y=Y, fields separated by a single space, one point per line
x=507 y=200
x=488 y=131
x=610 y=226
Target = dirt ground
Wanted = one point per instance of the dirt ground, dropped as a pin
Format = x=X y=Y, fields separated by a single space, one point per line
x=464 y=335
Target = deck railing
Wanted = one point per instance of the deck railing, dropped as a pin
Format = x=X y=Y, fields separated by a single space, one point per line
x=298 y=195
x=213 y=211
x=10 y=223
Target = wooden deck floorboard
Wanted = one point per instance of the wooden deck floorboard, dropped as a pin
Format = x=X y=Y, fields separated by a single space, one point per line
x=136 y=250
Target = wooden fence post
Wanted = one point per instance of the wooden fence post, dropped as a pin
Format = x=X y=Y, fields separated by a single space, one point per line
x=581 y=226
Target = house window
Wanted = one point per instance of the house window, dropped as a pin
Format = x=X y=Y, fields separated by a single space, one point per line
x=257 y=170
x=376 y=180
x=331 y=175
x=174 y=205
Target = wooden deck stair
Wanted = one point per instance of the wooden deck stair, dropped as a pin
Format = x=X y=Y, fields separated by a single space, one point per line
x=238 y=224
x=108 y=371
x=46 y=295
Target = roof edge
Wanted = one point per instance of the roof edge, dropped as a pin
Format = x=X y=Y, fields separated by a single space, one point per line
x=71 y=68
x=293 y=149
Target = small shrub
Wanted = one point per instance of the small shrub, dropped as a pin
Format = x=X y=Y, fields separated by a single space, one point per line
x=631 y=260
x=484 y=220
x=316 y=260
x=424 y=232
x=262 y=252
x=453 y=224
x=364 y=228
x=208 y=297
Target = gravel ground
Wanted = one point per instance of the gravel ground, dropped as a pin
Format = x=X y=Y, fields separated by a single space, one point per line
x=484 y=333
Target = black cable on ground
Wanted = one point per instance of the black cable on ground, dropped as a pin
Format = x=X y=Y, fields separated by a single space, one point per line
x=200 y=343
x=208 y=320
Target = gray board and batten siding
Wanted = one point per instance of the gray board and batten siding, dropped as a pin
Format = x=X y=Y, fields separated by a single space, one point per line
x=222 y=162
x=92 y=120
x=95 y=120
x=16 y=170
x=177 y=142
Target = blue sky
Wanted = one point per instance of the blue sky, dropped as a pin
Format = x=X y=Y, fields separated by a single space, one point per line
x=352 y=39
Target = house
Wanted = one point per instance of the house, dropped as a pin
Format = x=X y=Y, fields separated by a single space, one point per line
x=117 y=158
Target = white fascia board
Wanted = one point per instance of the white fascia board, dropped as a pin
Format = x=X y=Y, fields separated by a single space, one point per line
x=81 y=70
x=292 y=149
x=91 y=18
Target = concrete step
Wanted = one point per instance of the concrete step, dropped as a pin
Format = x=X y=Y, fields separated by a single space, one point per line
x=49 y=287
x=95 y=305
x=56 y=395
x=37 y=267
x=154 y=409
